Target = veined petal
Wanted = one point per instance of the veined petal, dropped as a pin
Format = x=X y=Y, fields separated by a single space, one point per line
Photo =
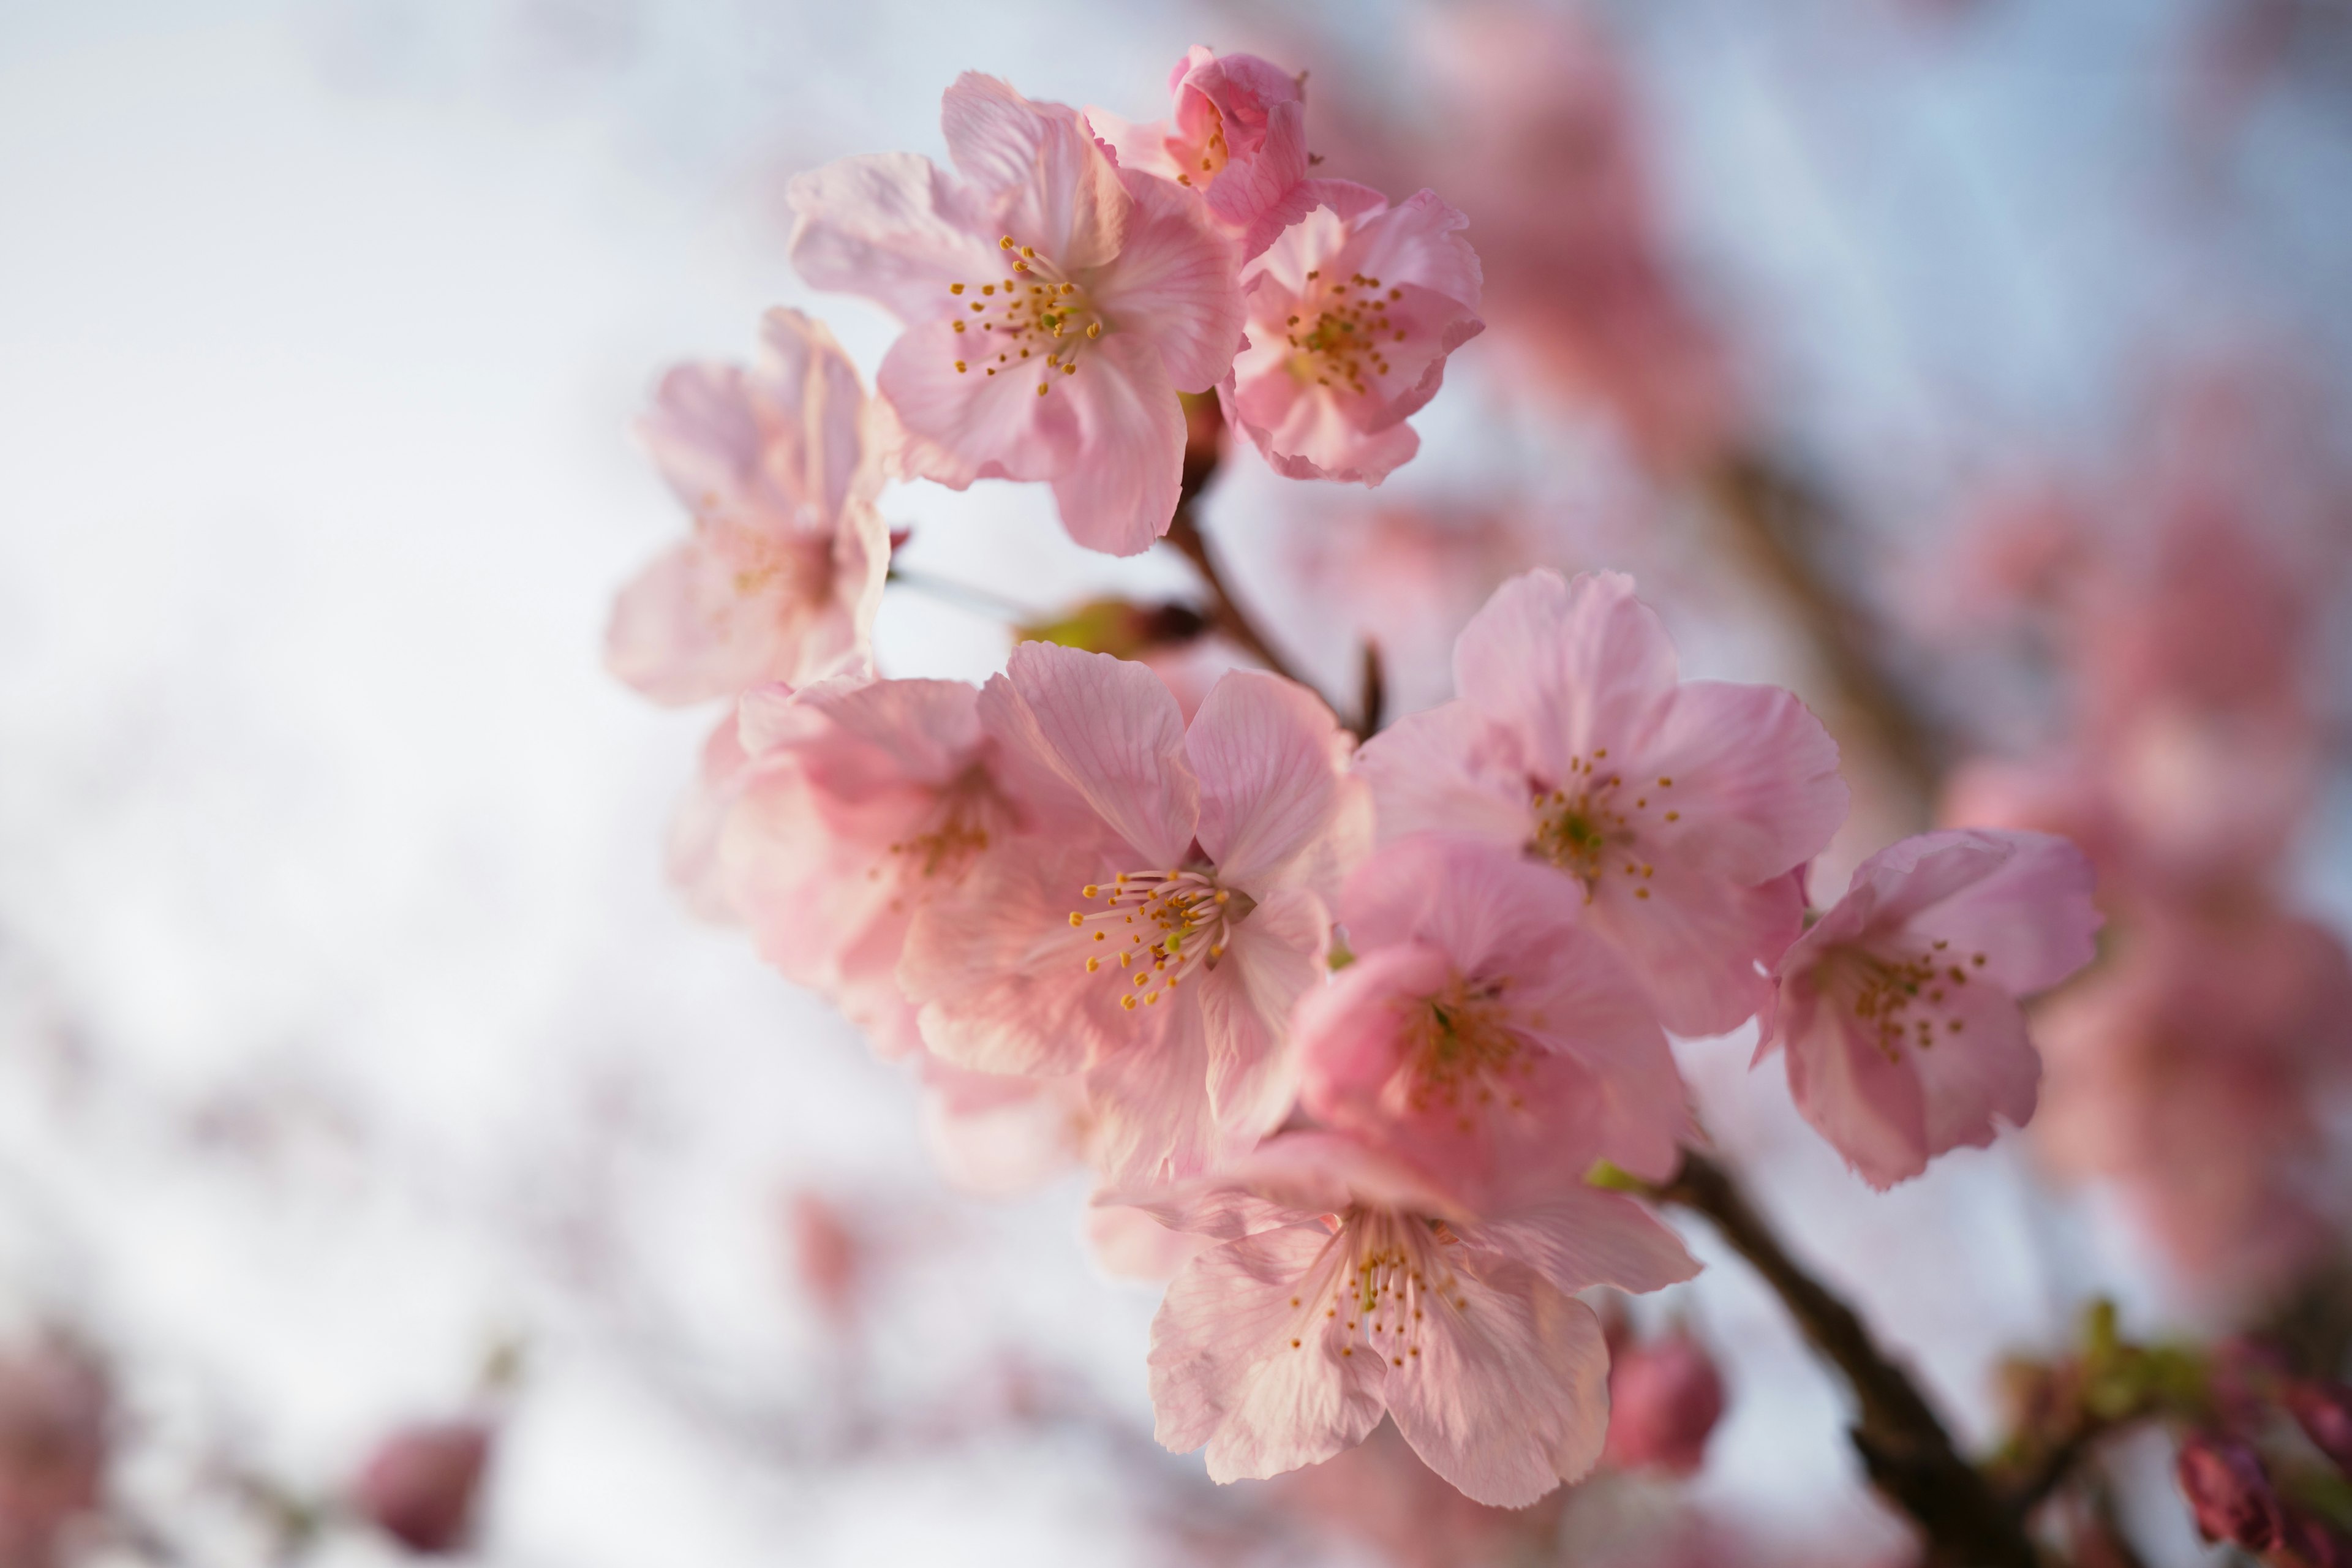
x=1277 y=956
x=1245 y=1360
x=1697 y=942
x=817 y=448
x=1117 y=489
x=982 y=422
x=1276 y=803
x=892 y=226
x=1110 y=730
x=1571 y=667
x=1756 y=779
x=1870 y=1107
x=1578 y=1237
x=1510 y=1397
x=2022 y=899
x=1038 y=169
x=1000 y=974
x=1449 y=769
x=1176 y=282
x=1148 y=1097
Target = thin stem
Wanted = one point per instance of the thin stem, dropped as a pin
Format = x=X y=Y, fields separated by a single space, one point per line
x=1224 y=614
x=1903 y=1446
x=963 y=595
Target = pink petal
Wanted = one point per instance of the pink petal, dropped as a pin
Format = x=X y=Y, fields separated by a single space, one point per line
x=1578 y=1237
x=1304 y=432
x=996 y=1136
x=1276 y=804
x=1510 y=1397
x=1277 y=956
x=1449 y=769
x=1570 y=666
x=682 y=632
x=1700 y=944
x=703 y=433
x=816 y=449
x=1118 y=489
x=1224 y=1372
x=1873 y=1110
x=893 y=227
x=1129 y=1243
x=1000 y=974
x=1110 y=730
x=1149 y=1095
x=2022 y=899
x=1176 y=283
x=925 y=731
x=1988 y=1069
x=1037 y=169
x=967 y=425
x=1756 y=780
x=1264 y=120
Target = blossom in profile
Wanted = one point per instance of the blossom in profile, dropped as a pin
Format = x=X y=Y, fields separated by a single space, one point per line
x=1349 y=1286
x=783 y=573
x=54 y=1444
x=1676 y=813
x=1156 y=929
x=843 y=808
x=422 y=1484
x=1898 y=1010
x=1236 y=133
x=1353 y=313
x=1483 y=1031
x=1664 y=1399
x=1055 y=305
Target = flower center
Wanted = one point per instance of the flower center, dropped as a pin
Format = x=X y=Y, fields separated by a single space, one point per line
x=759 y=560
x=1586 y=826
x=1395 y=1273
x=1336 y=330
x=1209 y=154
x=1900 y=1000
x=1158 y=927
x=1038 y=315
x=955 y=830
x=1463 y=1044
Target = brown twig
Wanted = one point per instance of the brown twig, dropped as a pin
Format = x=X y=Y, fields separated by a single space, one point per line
x=1903 y=1446
x=1782 y=522
x=1226 y=615
x=1373 y=694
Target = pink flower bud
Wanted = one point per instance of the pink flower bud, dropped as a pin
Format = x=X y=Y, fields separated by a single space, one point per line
x=420 y=1485
x=2324 y=1411
x=53 y=1447
x=1664 y=1398
x=2230 y=1494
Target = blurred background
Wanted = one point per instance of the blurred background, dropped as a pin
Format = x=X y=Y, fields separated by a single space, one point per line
x=390 y=1163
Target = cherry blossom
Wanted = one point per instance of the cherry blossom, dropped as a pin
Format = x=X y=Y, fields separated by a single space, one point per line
x=1483 y=1031
x=1156 y=936
x=1349 y=1286
x=1353 y=313
x=1237 y=132
x=1899 y=1008
x=1054 y=305
x=1676 y=812
x=843 y=808
x=783 y=571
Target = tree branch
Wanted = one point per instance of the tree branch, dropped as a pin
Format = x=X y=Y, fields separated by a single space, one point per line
x=1781 y=521
x=1904 y=1447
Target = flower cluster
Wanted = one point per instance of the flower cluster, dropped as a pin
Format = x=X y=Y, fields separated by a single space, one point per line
x=1357 y=1020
